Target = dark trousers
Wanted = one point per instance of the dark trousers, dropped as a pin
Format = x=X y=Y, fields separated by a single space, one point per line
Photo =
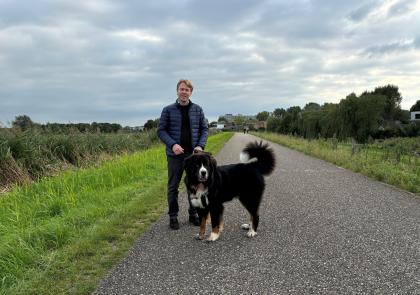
x=175 y=170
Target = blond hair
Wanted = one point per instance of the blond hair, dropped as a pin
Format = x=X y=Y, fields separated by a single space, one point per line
x=186 y=82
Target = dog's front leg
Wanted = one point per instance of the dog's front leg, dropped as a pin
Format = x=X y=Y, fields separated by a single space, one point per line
x=215 y=215
x=203 y=218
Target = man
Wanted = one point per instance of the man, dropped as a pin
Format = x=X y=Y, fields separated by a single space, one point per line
x=183 y=128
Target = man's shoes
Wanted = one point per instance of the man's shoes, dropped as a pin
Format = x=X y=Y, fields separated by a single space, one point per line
x=194 y=220
x=173 y=223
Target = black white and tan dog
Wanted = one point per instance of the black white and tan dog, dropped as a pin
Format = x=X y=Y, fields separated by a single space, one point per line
x=209 y=186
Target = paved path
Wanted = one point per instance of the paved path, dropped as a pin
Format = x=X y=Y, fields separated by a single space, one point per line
x=323 y=230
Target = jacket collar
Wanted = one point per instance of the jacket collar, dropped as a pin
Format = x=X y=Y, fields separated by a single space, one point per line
x=178 y=105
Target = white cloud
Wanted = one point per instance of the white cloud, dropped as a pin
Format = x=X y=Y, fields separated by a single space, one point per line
x=139 y=35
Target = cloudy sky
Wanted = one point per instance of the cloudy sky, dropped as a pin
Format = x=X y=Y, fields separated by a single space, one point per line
x=119 y=61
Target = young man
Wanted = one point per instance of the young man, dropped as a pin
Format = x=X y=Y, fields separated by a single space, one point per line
x=183 y=128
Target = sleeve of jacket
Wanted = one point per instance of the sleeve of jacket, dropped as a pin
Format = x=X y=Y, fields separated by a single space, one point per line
x=163 y=127
x=204 y=130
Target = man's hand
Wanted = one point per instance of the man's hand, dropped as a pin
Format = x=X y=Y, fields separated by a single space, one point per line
x=177 y=149
x=198 y=149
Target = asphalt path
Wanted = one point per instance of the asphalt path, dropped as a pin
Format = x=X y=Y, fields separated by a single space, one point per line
x=323 y=230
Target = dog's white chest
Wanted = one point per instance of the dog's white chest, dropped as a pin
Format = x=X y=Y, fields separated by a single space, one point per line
x=199 y=199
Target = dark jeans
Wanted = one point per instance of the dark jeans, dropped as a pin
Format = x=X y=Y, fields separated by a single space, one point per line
x=175 y=170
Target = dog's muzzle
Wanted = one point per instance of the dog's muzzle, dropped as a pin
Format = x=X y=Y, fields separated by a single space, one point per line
x=202 y=174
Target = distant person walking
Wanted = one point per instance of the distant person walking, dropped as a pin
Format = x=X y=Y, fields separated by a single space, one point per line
x=183 y=128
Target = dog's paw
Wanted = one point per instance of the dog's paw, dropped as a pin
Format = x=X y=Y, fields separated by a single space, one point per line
x=251 y=234
x=245 y=226
x=213 y=237
x=199 y=237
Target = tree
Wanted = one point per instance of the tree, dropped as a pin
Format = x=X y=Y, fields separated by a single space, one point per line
x=239 y=120
x=23 y=122
x=289 y=121
x=279 y=112
x=393 y=100
x=347 y=109
x=263 y=116
x=311 y=106
x=295 y=113
x=361 y=116
x=150 y=124
x=310 y=123
x=369 y=115
x=415 y=107
x=329 y=120
x=222 y=119
x=273 y=124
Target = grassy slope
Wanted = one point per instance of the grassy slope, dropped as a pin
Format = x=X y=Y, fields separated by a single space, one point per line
x=62 y=234
x=370 y=161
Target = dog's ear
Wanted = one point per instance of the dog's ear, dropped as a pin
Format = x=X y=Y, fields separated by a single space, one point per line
x=187 y=162
x=213 y=163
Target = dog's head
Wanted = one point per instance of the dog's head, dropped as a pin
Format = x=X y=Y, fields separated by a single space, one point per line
x=199 y=167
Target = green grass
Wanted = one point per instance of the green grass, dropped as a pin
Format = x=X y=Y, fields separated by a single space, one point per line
x=391 y=161
x=60 y=235
x=32 y=154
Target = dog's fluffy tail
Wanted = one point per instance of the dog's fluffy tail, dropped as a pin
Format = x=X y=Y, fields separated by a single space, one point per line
x=259 y=155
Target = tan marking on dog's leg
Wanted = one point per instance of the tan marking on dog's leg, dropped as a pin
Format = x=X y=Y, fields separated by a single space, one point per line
x=202 y=231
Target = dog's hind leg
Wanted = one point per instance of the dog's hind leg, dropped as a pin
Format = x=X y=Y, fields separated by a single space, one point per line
x=252 y=208
x=221 y=223
x=252 y=232
x=252 y=226
x=246 y=226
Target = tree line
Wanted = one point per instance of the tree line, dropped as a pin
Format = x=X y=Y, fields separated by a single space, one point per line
x=373 y=114
x=24 y=122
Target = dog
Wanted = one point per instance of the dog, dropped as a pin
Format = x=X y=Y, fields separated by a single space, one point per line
x=209 y=186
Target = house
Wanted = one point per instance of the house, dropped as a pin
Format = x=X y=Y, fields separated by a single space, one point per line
x=260 y=125
x=415 y=116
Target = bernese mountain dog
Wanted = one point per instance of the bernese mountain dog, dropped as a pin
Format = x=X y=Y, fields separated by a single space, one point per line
x=209 y=186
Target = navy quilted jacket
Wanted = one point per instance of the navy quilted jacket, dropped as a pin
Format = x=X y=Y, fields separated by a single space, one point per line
x=169 y=130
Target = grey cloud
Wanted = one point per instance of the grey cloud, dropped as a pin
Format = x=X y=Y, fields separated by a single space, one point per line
x=417 y=42
x=302 y=24
x=363 y=11
x=401 y=7
x=66 y=61
x=388 y=48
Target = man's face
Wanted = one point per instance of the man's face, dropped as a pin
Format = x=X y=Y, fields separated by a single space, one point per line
x=184 y=93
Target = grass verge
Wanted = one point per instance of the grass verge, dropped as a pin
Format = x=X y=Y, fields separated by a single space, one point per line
x=402 y=170
x=32 y=154
x=61 y=235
